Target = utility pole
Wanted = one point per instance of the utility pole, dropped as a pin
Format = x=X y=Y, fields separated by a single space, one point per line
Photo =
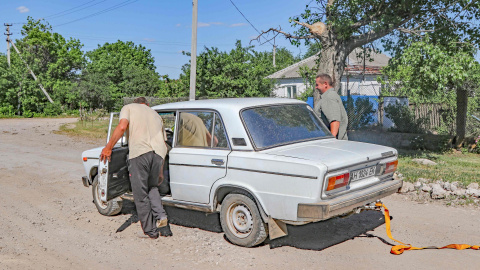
x=193 y=55
x=8 y=41
x=31 y=72
x=274 y=50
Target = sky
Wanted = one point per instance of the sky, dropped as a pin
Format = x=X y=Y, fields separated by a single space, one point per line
x=164 y=27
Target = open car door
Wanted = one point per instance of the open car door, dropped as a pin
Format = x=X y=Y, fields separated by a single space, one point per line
x=114 y=178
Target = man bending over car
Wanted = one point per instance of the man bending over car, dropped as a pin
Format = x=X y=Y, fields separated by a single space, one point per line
x=147 y=150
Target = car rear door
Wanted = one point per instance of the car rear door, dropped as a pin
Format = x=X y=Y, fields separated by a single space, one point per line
x=199 y=155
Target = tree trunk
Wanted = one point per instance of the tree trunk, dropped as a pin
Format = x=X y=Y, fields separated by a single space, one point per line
x=462 y=102
x=331 y=61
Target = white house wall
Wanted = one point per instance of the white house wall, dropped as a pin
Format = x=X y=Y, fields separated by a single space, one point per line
x=369 y=87
x=281 y=87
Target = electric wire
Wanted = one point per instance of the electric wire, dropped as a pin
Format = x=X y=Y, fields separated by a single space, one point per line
x=128 y=2
x=73 y=11
x=250 y=22
x=61 y=12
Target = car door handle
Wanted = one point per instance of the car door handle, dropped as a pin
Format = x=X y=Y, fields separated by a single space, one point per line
x=218 y=162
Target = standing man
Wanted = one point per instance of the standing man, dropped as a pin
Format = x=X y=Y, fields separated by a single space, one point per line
x=147 y=150
x=330 y=107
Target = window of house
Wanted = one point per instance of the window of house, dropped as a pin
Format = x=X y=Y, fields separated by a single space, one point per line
x=291 y=91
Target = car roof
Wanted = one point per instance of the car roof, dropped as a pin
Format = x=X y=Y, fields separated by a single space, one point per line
x=226 y=103
x=229 y=109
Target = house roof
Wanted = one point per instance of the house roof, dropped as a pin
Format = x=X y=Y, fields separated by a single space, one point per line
x=354 y=65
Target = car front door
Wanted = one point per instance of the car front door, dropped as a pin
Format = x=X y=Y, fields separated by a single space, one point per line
x=113 y=175
x=199 y=155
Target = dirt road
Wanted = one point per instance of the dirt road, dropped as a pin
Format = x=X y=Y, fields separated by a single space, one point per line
x=48 y=221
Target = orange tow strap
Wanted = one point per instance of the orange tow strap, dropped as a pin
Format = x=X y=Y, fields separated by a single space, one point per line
x=399 y=249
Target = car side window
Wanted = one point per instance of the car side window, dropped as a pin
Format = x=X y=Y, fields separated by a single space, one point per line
x=169 y=125
x=193 y=129
x=201 y=129
x=219 y=133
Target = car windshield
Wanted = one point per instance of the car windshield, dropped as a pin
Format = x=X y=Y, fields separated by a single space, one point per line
x=276 y=125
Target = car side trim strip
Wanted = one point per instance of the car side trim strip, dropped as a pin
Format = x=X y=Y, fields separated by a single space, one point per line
x=275 y=173
x=194 y=165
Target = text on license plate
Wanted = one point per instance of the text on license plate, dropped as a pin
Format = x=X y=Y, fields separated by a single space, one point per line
x=363 y=173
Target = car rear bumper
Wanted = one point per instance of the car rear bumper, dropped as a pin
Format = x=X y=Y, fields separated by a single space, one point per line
x=85 y=181
x=345 y=204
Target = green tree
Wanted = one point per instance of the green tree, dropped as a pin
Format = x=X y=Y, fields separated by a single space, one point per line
x=116 y=70
x=340 y=26
x=313 y=49
x=238 y=73
x=430 y=73
x=56 y=63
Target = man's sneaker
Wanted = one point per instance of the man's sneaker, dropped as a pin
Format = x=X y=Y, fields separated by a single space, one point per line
x=162 y=223
x=153 y=236
x=165 y=231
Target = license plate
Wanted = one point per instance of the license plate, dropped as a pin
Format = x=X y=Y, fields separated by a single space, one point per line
x=363 y=173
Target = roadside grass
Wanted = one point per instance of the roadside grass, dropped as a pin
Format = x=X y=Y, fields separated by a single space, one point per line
x=96 y=129
x=451 y=167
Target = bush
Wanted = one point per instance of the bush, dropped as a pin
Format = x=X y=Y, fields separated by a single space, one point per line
x=7 y=110
x=52 y=109
x=27 y=114
x=404 y=119
x=476 y=149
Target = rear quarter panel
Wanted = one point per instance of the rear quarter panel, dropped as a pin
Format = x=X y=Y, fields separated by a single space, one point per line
x=278 y=183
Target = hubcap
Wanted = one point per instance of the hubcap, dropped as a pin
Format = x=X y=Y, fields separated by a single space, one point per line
x=240 y=220
x=100 y=203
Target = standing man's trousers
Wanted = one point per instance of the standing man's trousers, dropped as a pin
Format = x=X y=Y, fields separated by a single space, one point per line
x=144 y=172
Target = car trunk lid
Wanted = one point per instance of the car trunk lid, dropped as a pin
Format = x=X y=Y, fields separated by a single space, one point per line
x=335 y=154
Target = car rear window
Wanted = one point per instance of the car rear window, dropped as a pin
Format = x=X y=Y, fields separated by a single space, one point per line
x=282 y=124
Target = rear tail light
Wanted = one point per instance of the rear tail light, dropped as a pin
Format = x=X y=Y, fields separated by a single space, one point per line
x=338 y=181
x=391 y=167
x=85 y=159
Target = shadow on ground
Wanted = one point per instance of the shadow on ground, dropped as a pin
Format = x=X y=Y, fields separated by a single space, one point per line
x=324 y=234
x=177 y=216
x=313 y=236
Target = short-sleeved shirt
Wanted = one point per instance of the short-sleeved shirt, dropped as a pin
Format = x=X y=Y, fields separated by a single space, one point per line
x=145 y=130
x=192 y=131
x=331 y=108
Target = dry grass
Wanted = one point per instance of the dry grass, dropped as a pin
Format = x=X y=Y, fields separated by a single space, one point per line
x=96 y=129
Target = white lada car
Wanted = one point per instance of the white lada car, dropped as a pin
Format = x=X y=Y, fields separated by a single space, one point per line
x=261 y=162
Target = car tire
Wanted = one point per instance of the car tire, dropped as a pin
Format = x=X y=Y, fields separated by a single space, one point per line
x=241 y=221
x=110 y=208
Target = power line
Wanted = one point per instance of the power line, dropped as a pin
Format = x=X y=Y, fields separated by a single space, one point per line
x=249 y=22
x=73 y=10
x=141 y=41
x=61 y=12
x=65 y=12
x=100 y=12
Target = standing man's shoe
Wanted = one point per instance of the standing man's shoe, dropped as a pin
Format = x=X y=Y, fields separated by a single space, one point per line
x=162 y=223
x=153 y=236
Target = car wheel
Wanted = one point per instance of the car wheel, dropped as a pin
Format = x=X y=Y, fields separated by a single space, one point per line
x=241 y=221
x=109 y=208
